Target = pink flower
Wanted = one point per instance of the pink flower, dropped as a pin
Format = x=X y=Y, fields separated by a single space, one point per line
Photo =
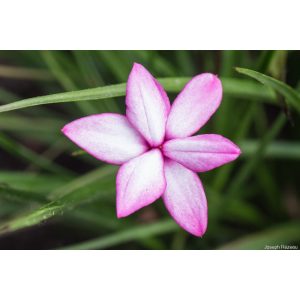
x=154 y=146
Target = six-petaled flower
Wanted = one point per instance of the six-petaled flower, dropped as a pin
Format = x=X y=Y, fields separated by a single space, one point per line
x=154 y=146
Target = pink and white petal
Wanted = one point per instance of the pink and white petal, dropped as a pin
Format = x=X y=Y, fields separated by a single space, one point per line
x=193 y=107
x=140 y=182
x=147 y=105
x=202 y=153
x=108 y=137
x=185 y=198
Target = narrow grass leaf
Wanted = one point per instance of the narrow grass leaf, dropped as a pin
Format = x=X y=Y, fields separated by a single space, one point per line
x=291 y=95
x=235 y=87
x=28 y=155
x=101 y=186
x=129 y=235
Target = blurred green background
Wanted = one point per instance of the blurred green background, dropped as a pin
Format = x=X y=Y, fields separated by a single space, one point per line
x=54 y=196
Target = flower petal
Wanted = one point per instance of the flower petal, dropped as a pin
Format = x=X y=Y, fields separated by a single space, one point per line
x=192 y=108
x=202 y=153
x=185 y=198
x=140 y=182
x=147 y=105
x=108 y=137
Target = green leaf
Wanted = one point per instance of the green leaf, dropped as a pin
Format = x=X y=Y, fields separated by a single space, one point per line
x=291 y=95
x=28 y=155
x=135 y=233
x=265 y=60
x=89 y=187
x=83 y=181
x=30 y=181
x=52 y=60
x=14 y=195
x=42 y=125
x=235 y=87
x=281 y=234
x=246 y=170
x=276 y=149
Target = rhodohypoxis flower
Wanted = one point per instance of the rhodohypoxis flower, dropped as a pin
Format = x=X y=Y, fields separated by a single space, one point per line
x=154 y=146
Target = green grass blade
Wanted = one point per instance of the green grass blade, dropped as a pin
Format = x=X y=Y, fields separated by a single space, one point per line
x=132 y=234
x=30 y=181
x=18 y=123
x=52 y=60
x=83 y=181
x=281 y=234
x=101 y=186
x=246 y=170
x=265 y=60
x=28 y=155
x=291 y=95
x=235 y=87
x=19 y=196
x=223 y=174
x=276 y=149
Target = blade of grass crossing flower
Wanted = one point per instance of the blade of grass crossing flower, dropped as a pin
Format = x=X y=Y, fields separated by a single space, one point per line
x=129 y=235
x=235 y=87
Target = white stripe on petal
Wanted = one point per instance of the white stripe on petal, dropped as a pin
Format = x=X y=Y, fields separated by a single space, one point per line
x=140 y=182
x=108 y=137
x=147 y=105
x=195 y=104
x=201 y=153
x=185 y=198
